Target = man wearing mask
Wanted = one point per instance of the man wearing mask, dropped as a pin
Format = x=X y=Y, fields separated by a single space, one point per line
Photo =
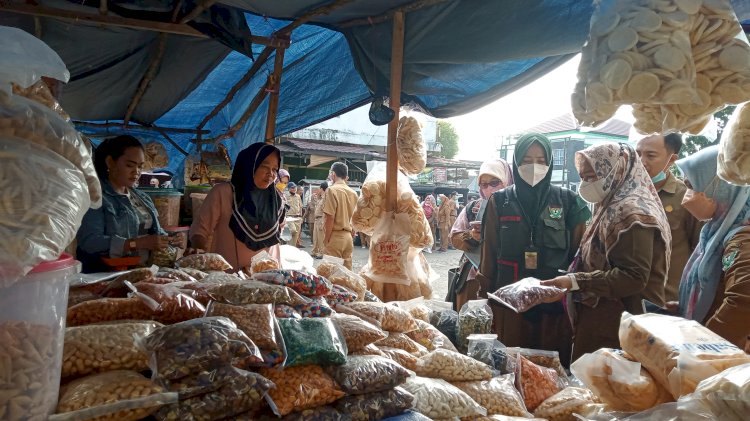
x=338 y=207
x=658 y=153
x=318 y=228
x=295 y=211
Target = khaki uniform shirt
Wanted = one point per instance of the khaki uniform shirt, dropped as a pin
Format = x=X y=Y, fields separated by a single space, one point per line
x=340 y=202
x=447 y=212
x=310 y=210
x=685 y=233
x=318 y=209
x=295 y=204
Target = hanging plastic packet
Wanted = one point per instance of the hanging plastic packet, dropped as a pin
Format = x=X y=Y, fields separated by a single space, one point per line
x=475 y=317
x=389 y=250
x=734 y=149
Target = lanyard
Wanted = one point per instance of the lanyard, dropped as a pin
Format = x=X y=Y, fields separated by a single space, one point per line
x=531 y=222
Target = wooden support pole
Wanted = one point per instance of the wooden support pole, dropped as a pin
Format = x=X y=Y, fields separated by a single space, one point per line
x=150 y=74
x=397 y=64
x=202 y=5
x=274 y=84
x=102 y=7
x=138 y=127
x=259 y=97
x=257 y=64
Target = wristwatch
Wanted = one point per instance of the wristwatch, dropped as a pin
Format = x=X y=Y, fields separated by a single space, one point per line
x=132 y=245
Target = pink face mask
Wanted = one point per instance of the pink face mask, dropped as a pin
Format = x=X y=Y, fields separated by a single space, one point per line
x=699 y=205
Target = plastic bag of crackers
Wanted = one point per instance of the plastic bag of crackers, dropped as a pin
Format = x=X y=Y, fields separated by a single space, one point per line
x=734 y=152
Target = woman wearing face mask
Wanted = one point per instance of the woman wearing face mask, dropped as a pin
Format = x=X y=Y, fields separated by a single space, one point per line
x=245 y=215
x=715 y=287
x=466 y=232
x=127 y=223
x=530 y=229
x=625 y=251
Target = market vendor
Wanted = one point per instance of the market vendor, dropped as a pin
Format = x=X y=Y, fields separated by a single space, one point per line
x=127 y=223
x=625 y=251
x=244 y=216
x=531 y=229
x=715 y=288
x=494 y=176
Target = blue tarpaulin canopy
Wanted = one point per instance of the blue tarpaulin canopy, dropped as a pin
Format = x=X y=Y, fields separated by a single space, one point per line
x=458 y=56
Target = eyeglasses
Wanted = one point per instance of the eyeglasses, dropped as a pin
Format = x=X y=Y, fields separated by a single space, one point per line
x=493 y=183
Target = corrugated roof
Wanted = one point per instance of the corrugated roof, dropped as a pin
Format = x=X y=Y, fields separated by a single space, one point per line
x=567 y=122
x=323 y=147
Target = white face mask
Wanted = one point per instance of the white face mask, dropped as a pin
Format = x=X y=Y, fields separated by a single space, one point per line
x=594 y=191
x=533 y=173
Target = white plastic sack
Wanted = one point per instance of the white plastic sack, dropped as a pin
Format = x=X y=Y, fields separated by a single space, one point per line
x=24 y=59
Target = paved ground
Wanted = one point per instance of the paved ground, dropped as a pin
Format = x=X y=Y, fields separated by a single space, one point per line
x=440 y=263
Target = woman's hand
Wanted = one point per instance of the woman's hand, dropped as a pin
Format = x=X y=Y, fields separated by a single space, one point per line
x=152 y=242
x=673 y=307
x=562 y=282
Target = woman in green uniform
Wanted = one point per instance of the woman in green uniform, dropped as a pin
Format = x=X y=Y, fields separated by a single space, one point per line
x=531 y=229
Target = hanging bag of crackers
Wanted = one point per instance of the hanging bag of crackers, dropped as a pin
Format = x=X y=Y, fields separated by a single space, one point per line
x=734 y=150
x=389 y=250
x=637 y=53
x=412 y=151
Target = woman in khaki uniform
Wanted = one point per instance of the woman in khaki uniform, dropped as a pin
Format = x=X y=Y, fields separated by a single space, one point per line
x=625 y=251
x=446 y=213
x=715 y=287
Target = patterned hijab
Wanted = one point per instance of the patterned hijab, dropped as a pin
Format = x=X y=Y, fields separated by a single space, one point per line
x=632 y=200
x=702 y=275
x=255 y=213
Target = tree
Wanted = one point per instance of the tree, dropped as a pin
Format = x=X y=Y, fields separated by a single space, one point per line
x=693 y=144
x=448 y=139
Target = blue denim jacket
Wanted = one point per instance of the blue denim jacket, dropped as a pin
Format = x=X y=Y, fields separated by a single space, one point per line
x=104 y=231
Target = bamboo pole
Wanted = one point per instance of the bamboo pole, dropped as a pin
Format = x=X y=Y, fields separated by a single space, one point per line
x=397 y=63
x=254 y=104
x=274 y=83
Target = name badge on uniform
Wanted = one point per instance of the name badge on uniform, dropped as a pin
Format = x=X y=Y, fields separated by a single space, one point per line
x=555 y=212
x=531 y=258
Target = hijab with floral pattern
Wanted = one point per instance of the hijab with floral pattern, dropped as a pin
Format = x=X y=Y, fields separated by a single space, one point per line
x=702 y=274
x=631 y=200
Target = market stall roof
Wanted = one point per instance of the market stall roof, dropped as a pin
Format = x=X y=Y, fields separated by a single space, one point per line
x=567 y=122
x=328 y=148
x=458 y=56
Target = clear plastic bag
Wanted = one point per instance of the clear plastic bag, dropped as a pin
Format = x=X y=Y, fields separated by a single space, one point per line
x=541 y=357
x=257 y=321
x=195 y=273
x=302 y=387
x=362 y=374
x=445 y=319
x=108 y=310
x=497 y=396
x=341 y=296
x=231 y=391
x=535 y=383
x=41 y=93
x=475 y=317
x=293 y=258
x=25 y=59
x=389 y=250
x=43 y=198
x=197 y=345
x=400 y=356
x=679 y=353
x=401 y=341
x=316 y=414
x=340 y=275
x=254 y=292
x=564 y=404
x=416 y=307
x=34 y=123
x=525 y=294
x=304 y=283
x=412 y=151
x=452 y=366
x=180 y=275
x=734 y=149
x=116 y=288
x=169 y=304
x=205 y=262
x=727 y=394
x=284 y=311
x=357 y=332
x=121 y=395
x=487 y=349
x=429 y=337
x=165 y=257
x=313 y=341
x=96 y=348
x=620 y=383
x=371 y=298
x=317 y=307
x=376 y=406
x=262 y=262
x=437 y=399
x=390 y=317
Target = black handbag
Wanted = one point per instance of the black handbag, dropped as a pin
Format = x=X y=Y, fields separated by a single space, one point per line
x=457 y=279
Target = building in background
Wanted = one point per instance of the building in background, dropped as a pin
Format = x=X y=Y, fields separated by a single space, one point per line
x=567 y=138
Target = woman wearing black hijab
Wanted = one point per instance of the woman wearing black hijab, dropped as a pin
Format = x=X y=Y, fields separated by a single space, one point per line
x=241 y=218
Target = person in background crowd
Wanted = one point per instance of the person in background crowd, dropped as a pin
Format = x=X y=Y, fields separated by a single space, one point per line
x=466 y=232
x=657 y=154
x=282 y=180
x=127 y=223
x=315 y=220
x=364 y=240
x=446 y=210
x=454 y=215
x=338 y=208
x=294 y=201
x=531 y=229
x=625 y=251
x=715 y=287
x=430 y=212
x=244 y=216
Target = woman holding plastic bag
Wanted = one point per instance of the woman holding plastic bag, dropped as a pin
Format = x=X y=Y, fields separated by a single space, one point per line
x=715 y=287
x=245 y=216
x=127 y=223
x=530 y=229
x=624 y=255
x=466 y=233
